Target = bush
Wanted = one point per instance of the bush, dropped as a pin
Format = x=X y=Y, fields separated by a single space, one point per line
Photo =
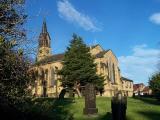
x=154 y=84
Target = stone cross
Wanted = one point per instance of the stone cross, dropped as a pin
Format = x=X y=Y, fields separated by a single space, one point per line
x=90 y=100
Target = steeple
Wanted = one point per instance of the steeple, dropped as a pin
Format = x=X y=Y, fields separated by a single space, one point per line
x=44 y=38
x=44 y=49
x=44 y=27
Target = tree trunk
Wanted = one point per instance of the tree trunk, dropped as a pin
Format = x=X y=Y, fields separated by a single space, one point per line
x=77 y=90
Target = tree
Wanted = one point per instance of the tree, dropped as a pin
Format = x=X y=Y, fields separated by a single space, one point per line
x=14 y=76
x=154 y=83
x=78 y=66
x=12 y=18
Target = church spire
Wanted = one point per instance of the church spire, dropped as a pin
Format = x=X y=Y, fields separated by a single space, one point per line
x=44 y=27
x=44 y=38
x=44 y=49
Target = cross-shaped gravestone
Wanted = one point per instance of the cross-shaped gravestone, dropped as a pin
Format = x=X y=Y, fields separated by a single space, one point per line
x=90 y=100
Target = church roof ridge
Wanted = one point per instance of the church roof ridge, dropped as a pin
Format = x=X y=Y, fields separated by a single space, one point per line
x=126 y=79
x=52 y=58
x=93 y=46
x=100 y=54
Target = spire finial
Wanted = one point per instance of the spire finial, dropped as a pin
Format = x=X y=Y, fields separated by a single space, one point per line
x=44 y=27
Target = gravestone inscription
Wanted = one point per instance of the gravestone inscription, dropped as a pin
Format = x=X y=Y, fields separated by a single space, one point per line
x=90 y=100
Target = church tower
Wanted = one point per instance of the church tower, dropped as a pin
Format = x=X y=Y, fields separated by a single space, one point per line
x=44 y=47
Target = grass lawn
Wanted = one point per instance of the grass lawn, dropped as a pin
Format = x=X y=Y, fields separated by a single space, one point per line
x=137 y=109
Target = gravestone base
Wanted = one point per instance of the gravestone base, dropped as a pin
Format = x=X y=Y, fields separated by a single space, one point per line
x=88 y=111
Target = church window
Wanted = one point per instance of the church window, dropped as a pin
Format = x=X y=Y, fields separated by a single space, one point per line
x=130 y=84
x=112 y=73
x=107 y=70
x=40 y=51
x=52 y=77
x=46 y=75
x=42 y=74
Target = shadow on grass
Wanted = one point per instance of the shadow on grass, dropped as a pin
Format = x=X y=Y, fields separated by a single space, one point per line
x=151 y=115
x=107 y=116
x=52 y=109
x=38 y=109
x=60 y=109
x=152 y=101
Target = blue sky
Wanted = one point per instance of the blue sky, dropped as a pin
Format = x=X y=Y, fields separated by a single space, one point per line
x=131 y=28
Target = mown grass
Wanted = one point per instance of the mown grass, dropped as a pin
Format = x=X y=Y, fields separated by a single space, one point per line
x=137 y=109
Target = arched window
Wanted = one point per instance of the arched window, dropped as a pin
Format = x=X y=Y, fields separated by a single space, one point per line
x=42 y=74
x=46 y=74
x=113 y=70
x=107 y=70
x=52 y=82
x=110 y=71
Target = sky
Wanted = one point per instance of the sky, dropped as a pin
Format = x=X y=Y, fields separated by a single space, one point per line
x=131 y=28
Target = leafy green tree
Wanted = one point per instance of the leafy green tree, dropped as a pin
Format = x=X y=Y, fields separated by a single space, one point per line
x=14 y=77
x=154 y=84
x=12 y=17
x=79 y=67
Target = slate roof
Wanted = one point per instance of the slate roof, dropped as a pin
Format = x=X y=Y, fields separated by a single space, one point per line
x=59 y=57
x=137 y=86
x=146 y=89
x=101 y=54
x=56 y=57
x=126 y=79
x=94 y=46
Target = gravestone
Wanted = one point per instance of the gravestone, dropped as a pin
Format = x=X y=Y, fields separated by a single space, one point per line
x=90 y=100
x=119 y=106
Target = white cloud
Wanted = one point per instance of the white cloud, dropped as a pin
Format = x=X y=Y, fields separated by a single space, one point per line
x=155 y=18
x=70 y=13
x=141 y=64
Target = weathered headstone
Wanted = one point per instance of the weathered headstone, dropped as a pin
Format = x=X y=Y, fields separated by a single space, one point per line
x=119 y=106
x=90 y=100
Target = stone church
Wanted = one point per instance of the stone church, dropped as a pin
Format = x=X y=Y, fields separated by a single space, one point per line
x=47 y=65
